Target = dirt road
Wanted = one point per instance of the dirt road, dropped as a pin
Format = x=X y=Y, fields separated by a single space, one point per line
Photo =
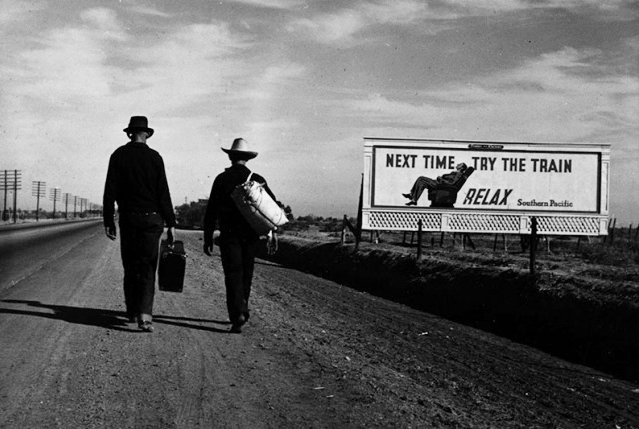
x=314 y=354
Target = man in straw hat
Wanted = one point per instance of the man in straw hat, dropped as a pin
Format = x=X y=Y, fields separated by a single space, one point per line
x=238 y=242
x=136 y=180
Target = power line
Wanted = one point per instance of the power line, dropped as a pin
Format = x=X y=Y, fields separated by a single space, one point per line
x=39 y=190
x=10 y=181
x=54 y=195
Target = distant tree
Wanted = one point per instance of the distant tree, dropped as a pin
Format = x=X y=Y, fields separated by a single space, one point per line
x=191 y=215
x=331 y=224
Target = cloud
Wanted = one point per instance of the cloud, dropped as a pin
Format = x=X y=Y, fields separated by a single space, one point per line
x=272 y=80
x=103 y=24
x=184 y=68
x=330 y=28
x=274 y=4
x=12 y=12
x=343 y=26
x=547 y=99
x=66 y=63
x=71 y=62
x=149 y=12
x=473 y=7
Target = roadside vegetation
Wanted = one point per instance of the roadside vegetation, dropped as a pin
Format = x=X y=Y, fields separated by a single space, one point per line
x=620 y=248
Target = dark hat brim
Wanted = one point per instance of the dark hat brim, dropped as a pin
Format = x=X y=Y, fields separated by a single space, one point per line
x=246 y=154
x=129 y=130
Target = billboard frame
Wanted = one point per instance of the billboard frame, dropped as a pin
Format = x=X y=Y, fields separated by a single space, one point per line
x=590 y=222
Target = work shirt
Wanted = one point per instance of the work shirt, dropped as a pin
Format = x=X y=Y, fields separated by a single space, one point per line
x=136 y=180
x=221 y=211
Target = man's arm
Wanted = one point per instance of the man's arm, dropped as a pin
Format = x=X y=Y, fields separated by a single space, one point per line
x=108 y=200
x=272 y=241
x=450 y=178
x=210 y=217
x=164 y=197
x=164 y=202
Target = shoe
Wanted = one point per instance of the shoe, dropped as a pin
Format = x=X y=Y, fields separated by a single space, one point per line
x=411 y=203
x=409 y=196
x=236 y=326
x=146 y=326
x=145 y=322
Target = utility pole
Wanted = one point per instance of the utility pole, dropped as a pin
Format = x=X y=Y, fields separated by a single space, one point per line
x=16 y=186
x=83 y=205
x=54 y=195
x=4 y=187
x=66 y=204
x=39 y=190
x=10 y=184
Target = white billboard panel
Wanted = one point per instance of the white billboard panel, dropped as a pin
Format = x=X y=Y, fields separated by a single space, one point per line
x=405 y=176
x=508 y=180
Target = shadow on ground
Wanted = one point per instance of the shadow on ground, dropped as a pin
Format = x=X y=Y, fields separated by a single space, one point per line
x=108 y=319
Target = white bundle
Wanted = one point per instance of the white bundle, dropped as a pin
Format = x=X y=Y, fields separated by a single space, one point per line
x=257 y=207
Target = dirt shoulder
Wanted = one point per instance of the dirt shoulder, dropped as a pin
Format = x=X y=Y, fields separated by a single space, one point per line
x=583 y=312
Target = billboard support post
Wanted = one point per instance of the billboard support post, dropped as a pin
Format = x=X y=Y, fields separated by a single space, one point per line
x=358 y=226
x=419 y=239
x=533 y=245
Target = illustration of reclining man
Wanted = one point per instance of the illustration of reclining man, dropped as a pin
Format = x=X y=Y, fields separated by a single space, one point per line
x=448 y=184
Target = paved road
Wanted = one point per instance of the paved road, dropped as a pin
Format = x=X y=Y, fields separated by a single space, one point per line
x=315 y=354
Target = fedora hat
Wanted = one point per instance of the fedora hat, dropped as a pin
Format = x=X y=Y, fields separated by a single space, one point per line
x=241 y=147
x=138 y=123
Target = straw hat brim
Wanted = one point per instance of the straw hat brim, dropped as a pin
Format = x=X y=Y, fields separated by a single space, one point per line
x=245 y=153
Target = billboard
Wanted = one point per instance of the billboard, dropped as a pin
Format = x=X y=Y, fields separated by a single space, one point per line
x=492 y=179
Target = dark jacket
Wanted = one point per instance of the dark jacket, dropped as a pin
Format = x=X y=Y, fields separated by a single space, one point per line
x=136 y=180
x=450 y=178
x=221 y=211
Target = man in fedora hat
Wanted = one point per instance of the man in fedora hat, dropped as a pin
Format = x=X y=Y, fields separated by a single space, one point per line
x=238 y=241
x=136 y=180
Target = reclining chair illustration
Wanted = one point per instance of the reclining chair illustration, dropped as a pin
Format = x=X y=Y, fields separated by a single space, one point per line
x=445 y=195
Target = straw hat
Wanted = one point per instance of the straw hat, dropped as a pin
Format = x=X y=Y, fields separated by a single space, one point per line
x=241 y=147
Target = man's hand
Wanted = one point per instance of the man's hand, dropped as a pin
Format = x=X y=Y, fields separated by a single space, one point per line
x=208 y=247
x=208 y=243
x=272 y=243
x=111 y=232
x=170 y=236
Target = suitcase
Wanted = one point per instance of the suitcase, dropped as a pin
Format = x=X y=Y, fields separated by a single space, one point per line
x=172 y=267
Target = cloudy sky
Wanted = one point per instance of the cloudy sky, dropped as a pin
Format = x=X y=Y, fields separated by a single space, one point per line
x=305 y=81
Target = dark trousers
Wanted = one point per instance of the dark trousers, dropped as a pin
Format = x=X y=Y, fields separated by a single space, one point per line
x=238 y=261
x=420 y=184
x=139 y=244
